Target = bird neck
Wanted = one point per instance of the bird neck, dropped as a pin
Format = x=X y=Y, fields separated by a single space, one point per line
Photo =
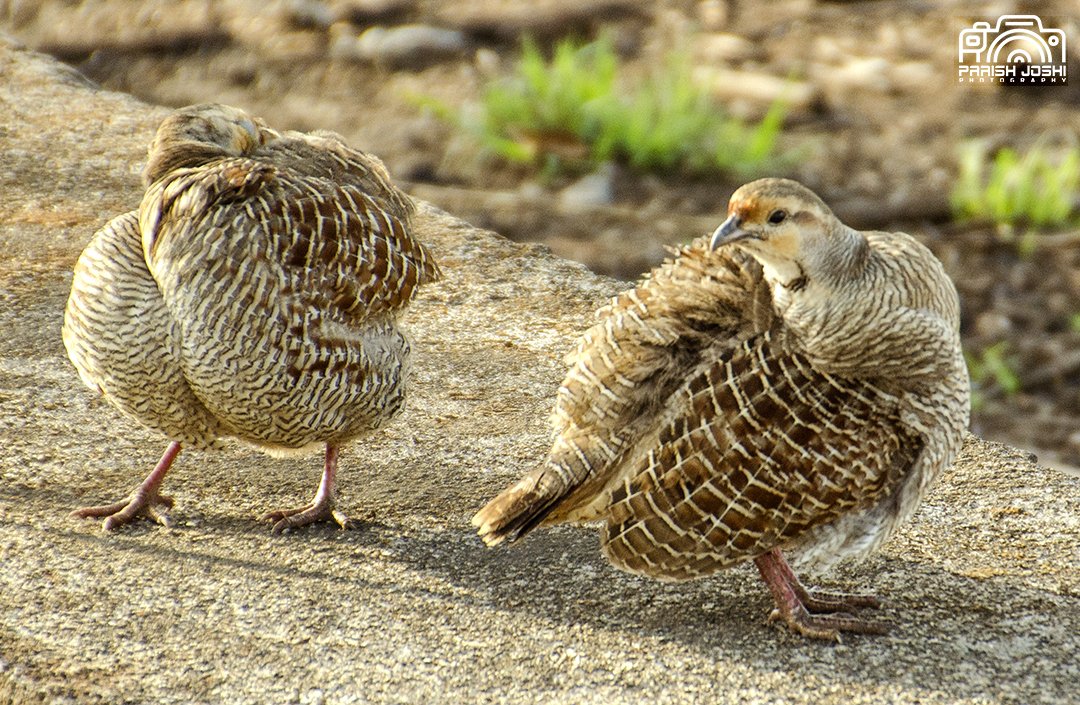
x=843 y=261
x=813 y=282
x=178 y=155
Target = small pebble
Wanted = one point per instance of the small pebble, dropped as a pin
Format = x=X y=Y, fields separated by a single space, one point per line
x=403 y=46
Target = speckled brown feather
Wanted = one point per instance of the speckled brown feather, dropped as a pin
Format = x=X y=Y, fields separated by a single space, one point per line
x=288 y=329
x=122 y=341
x=764 y=449
x=623 y=370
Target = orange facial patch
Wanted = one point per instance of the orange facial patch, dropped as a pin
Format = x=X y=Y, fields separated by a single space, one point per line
x=749 y=209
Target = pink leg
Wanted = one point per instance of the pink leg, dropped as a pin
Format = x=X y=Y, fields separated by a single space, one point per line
x=809 y=612
x=322 y=505
x=815 y=600
x=145 y=500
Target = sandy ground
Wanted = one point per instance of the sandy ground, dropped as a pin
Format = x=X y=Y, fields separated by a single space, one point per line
x=982 y=589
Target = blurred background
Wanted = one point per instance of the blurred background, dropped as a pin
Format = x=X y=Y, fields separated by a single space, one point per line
x=609 y=129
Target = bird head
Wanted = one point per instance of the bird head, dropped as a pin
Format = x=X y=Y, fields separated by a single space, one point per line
x=224 y=126
x=787 y=228
x=200 y=133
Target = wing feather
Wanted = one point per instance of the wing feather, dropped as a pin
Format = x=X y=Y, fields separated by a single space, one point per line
x=763 y=449
x=622 y=373
x=285 y=286
x=121 y=339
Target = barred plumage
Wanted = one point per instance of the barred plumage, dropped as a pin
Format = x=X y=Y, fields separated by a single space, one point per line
x=790 y=386
x=254 y=294
x=114 y=306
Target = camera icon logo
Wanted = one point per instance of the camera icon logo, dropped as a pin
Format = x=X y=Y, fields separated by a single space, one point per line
x=1015 y=39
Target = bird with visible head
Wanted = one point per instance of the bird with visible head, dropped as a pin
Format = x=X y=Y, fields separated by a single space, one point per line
x=786 y=389
x=254 y=294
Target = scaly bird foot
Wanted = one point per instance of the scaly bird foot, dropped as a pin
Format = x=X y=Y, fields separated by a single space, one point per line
x=825 y=626
x=813 y=613
x=145 y=501
x=821 y=601
x=322 y=505
x=302 y=516
x=140 y=503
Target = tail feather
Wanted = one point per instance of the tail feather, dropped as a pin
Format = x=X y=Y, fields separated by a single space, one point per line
x=520 y=508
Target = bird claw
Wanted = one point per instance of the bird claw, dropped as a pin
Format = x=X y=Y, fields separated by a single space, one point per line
x=814 y=613
x=818 y=601
x=151 y=505
x=315 y=512
x=827 y=626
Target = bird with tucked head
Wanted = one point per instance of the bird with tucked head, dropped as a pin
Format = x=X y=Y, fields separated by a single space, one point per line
x=199 y=133
x=254 y=294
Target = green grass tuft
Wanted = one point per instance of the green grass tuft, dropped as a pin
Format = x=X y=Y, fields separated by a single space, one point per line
x=1039 y=189
x=993 y=372
x=577 y=107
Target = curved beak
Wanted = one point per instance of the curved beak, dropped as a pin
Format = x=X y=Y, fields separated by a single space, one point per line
x=264 y=133
x=729 y=231
x=254 y=134
x=247 y=138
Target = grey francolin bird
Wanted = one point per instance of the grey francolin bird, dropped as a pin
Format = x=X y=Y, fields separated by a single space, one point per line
x=789 y=387
x=254 y=294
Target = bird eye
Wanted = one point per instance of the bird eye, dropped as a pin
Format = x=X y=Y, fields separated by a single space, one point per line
x=777 y=217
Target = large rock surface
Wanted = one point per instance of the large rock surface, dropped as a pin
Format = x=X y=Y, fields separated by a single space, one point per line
x=982 y=588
